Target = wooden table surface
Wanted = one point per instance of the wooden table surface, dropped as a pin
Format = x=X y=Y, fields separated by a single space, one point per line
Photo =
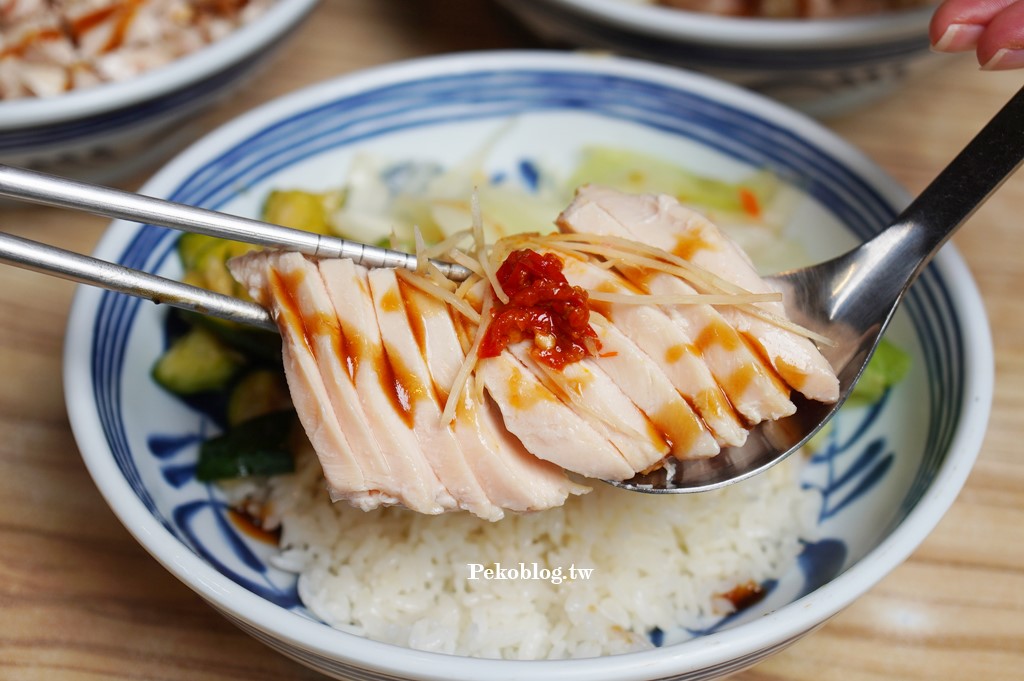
x=80 y=599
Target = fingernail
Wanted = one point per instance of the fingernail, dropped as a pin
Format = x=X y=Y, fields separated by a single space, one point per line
x=959 y=38
x=1004 y=59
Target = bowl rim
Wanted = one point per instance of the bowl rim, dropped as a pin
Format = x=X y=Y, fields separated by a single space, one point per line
x=194 y=67
x=749 y=32
x=313 y=638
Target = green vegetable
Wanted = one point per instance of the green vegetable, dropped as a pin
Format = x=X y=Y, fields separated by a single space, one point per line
x=196 y=362
x=258 y=446
x=307 y=211
x=191 y=247
x=639 y=173
x=256 y=344
x=205 y=259
x=888 y=366
x=258 y=392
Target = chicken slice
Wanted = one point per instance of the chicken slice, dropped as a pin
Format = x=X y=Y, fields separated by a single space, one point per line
x=375 y=385
x=420 y=399
x=547 y=427
x=590 y=393
x=594 y=397
x=526 y=465
x=650 y=390
x=794 y=357
x=663 y=222
x=512 y=477
x=330 y=348
x=274 y=280
x=751 y=385
x=667 y=344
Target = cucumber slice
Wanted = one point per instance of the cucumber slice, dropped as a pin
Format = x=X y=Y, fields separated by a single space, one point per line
x=258 y=392
x=205 y=261
x=192 y=246
x=259 y=446
x=302 y=210
x=260 y=346
x=196 y=362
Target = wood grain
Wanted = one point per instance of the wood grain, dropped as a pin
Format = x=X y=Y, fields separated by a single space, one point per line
x=80 y=600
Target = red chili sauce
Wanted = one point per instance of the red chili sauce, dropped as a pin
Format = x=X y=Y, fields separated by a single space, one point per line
x=541 y=305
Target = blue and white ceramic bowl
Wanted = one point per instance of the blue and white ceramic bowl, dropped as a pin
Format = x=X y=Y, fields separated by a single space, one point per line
x=105 y=132
x=887 y=473
x=822 y=67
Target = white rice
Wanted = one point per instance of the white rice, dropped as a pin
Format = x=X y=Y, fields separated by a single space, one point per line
x=658 y=561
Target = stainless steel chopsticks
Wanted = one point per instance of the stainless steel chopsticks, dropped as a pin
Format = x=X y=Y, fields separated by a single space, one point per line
x=84 y=269
x=51 y=190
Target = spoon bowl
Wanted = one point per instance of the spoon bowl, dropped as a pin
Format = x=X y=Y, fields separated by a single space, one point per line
x=852 y=298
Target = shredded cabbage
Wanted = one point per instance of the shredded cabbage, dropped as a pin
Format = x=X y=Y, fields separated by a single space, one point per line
x=387 y=200
x=644 y=174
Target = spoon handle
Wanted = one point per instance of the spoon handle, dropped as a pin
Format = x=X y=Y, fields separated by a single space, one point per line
x=953 y=196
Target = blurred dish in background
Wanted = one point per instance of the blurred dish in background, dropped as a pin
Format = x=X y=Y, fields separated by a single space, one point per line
x=824 y=67
x=48 y=47
x=147 y=76
x=788 y=9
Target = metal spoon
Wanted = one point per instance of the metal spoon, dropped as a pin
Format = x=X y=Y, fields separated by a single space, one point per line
x=852 y=298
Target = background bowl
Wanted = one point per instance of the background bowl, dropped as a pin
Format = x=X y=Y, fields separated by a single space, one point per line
x=822 y=67
x=886 y=476
x=108 y=131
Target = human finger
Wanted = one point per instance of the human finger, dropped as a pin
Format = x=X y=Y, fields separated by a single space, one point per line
x=957 y=25
x=1001 y=45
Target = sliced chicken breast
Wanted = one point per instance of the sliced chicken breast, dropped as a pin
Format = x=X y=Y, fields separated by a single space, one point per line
x=378 y=392
x=415 y=386
x=663 y=222
x=667 y=344
x=750 y=383
x=274 y=280
x=526 y=466
x=646 y=385
x=512 y=477
x=590 y=393
x=534 y=411
x=794 y=357
x=371 y=360
x=329 y=347
x=545 y=425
